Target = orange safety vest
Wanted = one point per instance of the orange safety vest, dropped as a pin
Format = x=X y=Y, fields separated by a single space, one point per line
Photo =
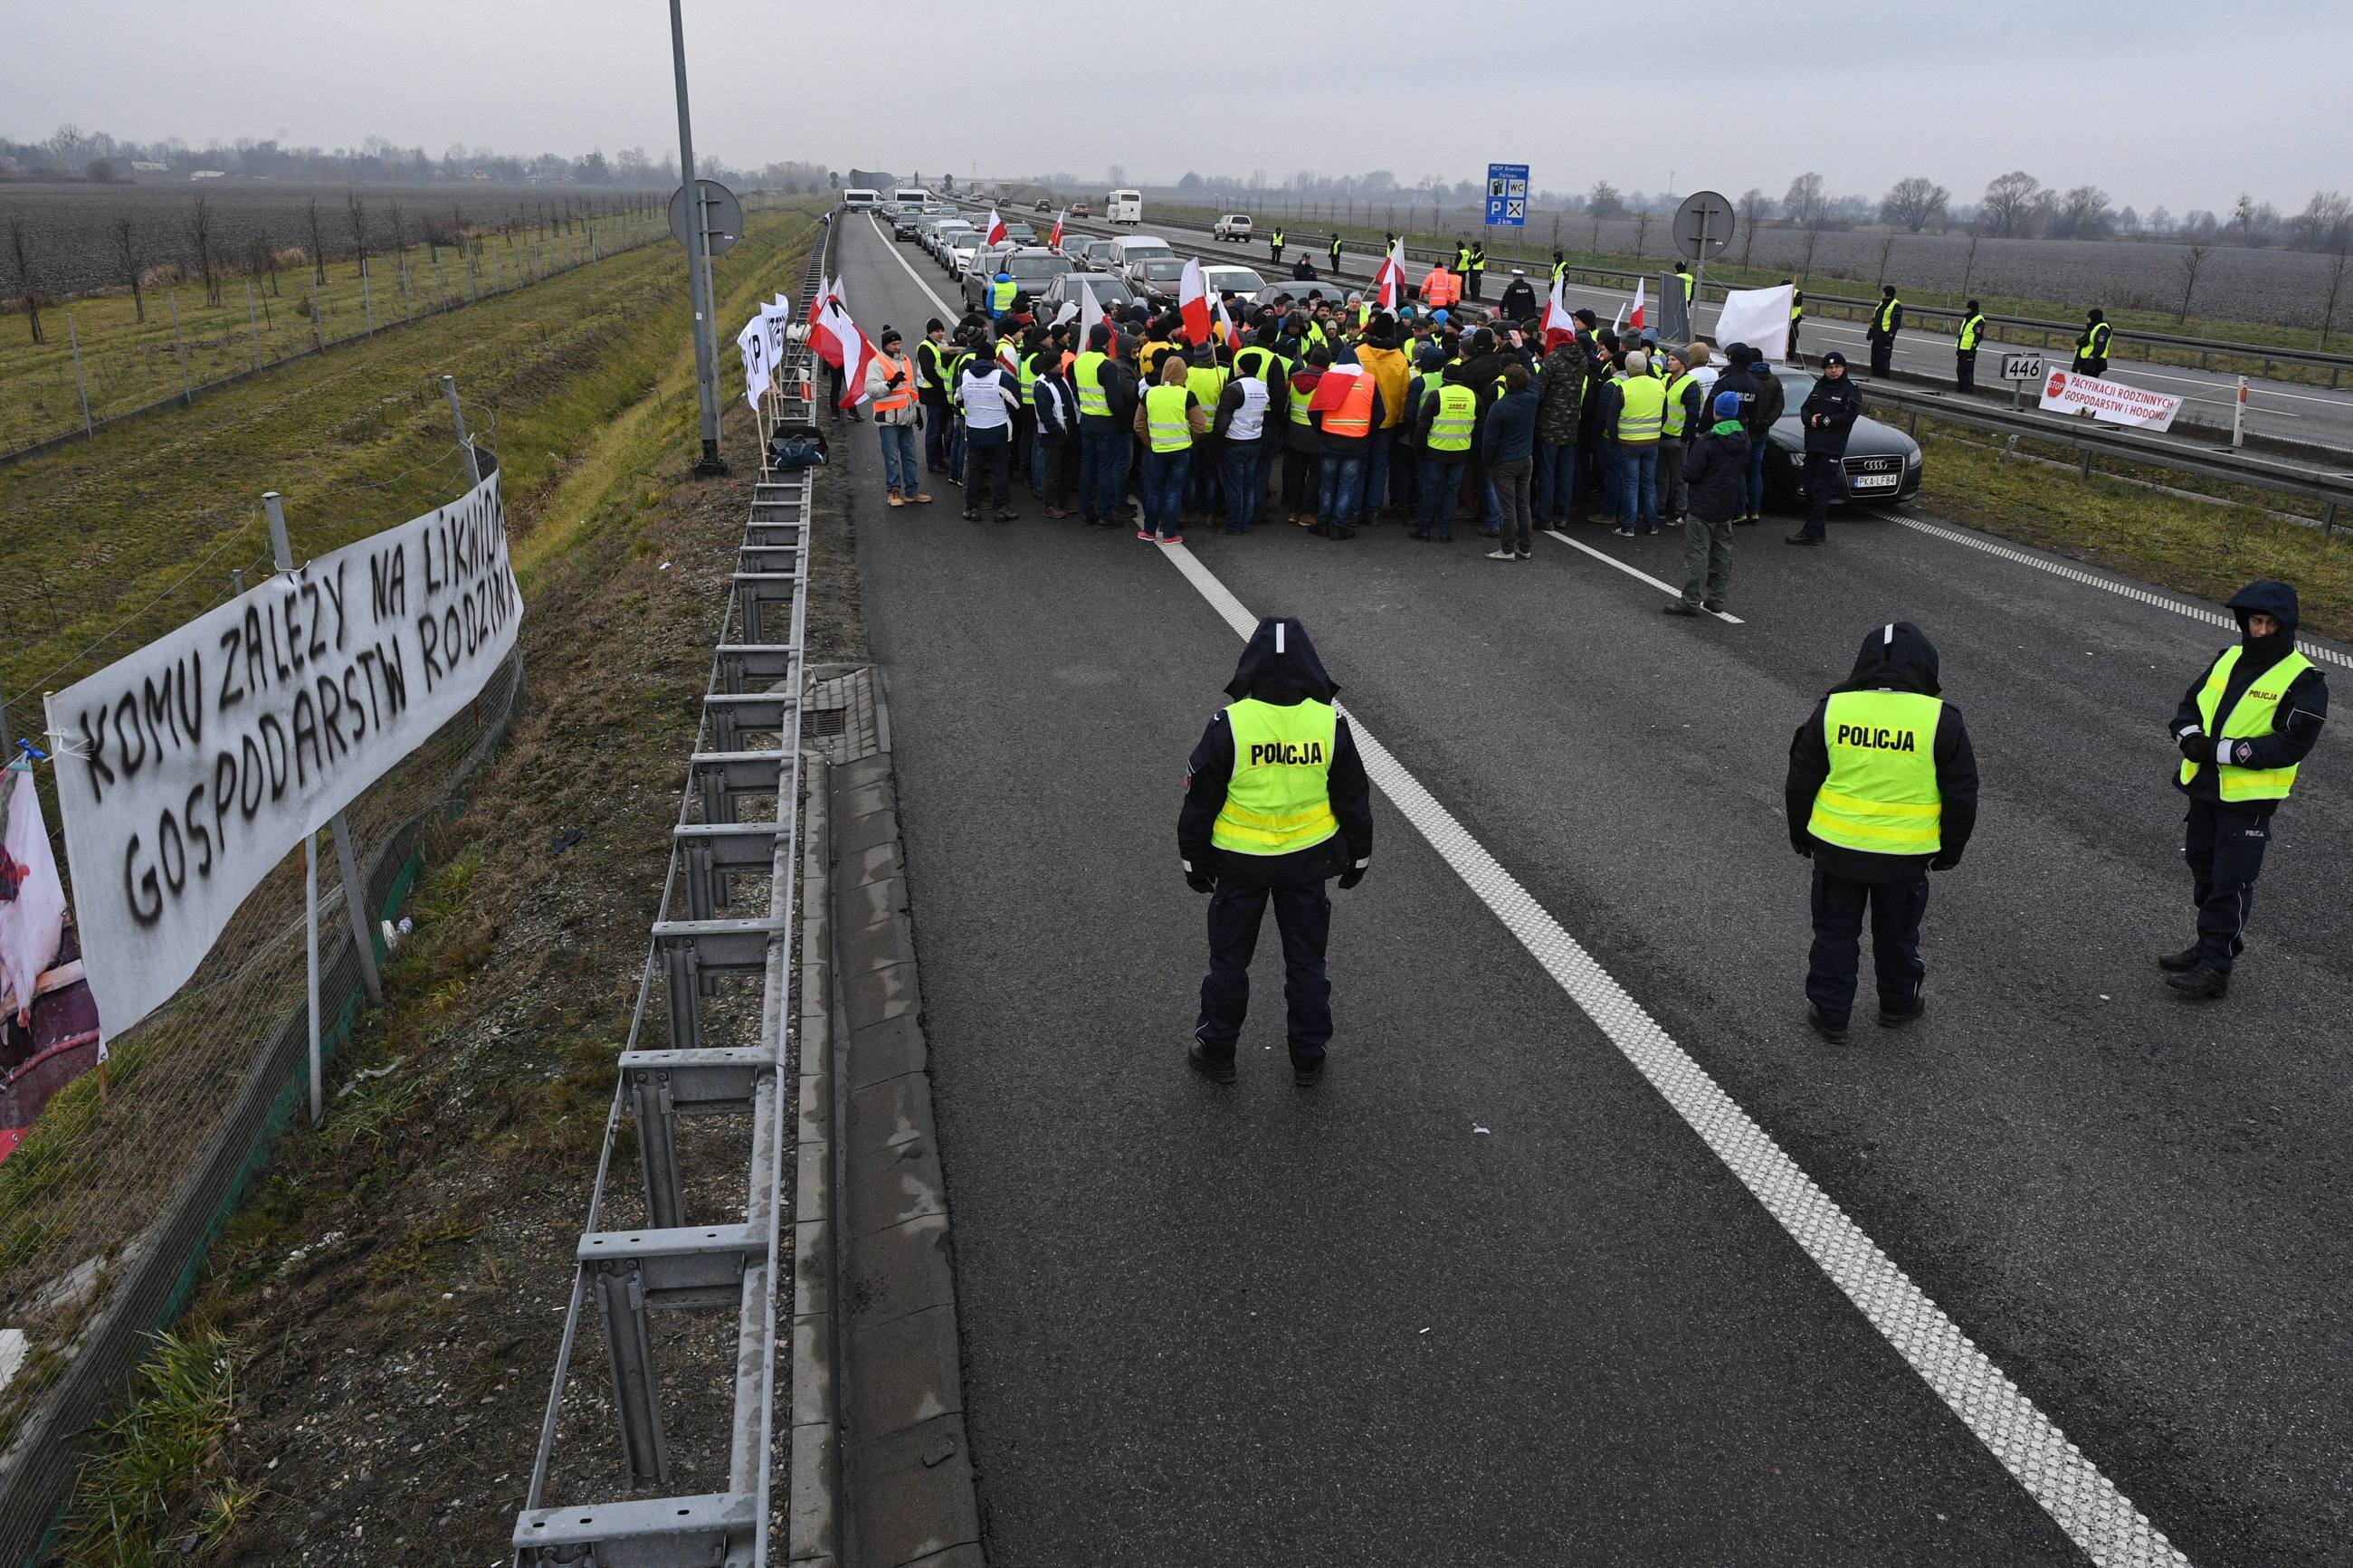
x=1354 y=417
x=906 y=392
x=1439 y=288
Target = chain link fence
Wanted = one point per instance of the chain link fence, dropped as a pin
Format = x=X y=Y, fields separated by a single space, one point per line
x=107 y=1205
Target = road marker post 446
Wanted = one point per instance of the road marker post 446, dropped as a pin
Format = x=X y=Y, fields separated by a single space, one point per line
x=2018 y=370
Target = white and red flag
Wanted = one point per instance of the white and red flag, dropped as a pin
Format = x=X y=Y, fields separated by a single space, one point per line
x=839 y=343
x=995 y=229
x=1334 y=389
x=1225 y=321
x=32 y=898
x=1193 y=302
x=1388 y=280
x=1634 y=316
x=1054 y=241
x=1559 y=326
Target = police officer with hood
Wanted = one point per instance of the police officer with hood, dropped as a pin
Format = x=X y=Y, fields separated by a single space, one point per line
x=2245 y=727
x=1882 y=788
x=1276 y=802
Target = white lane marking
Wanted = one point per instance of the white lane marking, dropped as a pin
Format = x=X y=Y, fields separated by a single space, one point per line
x=2076 y=575
x=2070 y=1487
x=946 y=309
x=1608 y=560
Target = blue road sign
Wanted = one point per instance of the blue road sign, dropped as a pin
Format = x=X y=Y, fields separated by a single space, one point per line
x=1507 y=194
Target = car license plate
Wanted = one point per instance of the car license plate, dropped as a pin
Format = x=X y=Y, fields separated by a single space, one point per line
x=1874 y=481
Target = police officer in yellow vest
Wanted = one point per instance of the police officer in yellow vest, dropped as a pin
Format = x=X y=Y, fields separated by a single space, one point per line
x=1883 y=787
x=1276 y=802
x=1885 y=323
x=2245 y=727
x=1965 y=348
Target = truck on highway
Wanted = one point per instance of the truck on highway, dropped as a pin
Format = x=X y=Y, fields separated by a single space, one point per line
x=1125 y=206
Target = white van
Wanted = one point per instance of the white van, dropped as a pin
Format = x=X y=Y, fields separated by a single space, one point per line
x=911 y=198
x=1125 y=206
x=859 y=199
x=1129 y=249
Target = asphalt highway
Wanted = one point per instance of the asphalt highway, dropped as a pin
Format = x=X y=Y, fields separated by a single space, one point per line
x=1485 y=1295
x=2307 y=415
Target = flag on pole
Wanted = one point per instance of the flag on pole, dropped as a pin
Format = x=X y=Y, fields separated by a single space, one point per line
x=1388 y=281
x=752 y=342
x=995 y=231
x=839 y=343
x=1634 y=317
x=32 y=898
x=1091 y=310
x=1054 y=241
x=1334 y=389
x=1193 y=302
x=1225 y=321
x=1559 y=326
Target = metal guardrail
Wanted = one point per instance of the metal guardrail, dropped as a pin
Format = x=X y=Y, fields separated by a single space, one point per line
x=2332 y=489
x=727 y=1060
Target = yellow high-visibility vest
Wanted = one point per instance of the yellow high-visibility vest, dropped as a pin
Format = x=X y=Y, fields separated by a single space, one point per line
x=1165 y=417
x=1279 y=800
x=1881 y=794
x=1458 y=411
x=1675 y=410
x=1885 y=319
x=2251 y=716
x=1645 y=410
x=1206 y=382
x=1087 y=376
x=1972 y=329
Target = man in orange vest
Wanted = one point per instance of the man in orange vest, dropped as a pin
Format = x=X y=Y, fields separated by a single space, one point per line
x=1440 y=288
x=1347 y=432
x=890 y=387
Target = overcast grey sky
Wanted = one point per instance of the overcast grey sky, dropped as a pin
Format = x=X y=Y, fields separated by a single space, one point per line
x=2191 y=103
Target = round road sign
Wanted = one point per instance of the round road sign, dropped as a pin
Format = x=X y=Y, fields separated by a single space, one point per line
x=1703 y=225
x=722 y=216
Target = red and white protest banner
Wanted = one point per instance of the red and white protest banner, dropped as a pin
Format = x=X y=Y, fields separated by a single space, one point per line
x=2064 y=392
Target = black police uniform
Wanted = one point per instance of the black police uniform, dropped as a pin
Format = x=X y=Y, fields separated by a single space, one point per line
x=1894 y=887
x=1279 y=666
x=2224 y=841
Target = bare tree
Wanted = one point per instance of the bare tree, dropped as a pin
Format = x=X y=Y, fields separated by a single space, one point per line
x=2084 y=215
x=1806 y=258
x=261 y=258
x=1969 y=264
x=20 y=257
x=1641 y=233
x=1886 y=248
x=1605 y=200
x=2193 y=261
x=131 y=255
x=318 y=243
x=356 y=210
x=2336 y=286
x=200 y=240
x=1915 y=202
x=2007 y=206
x=1754 y=207
x=1807 y=203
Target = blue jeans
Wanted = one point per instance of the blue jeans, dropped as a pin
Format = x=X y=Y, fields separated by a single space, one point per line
x=939 y=423
x=1441 y=481
x=1164 y=489
x=955 y=444
x=1555 y=497
x=1205 y=480
x=899 y=458
x=1244 y=476
x=1637 y=491
x=1613 y=476
x=1103 y=471
x=1342 y=491
x=1756 y=486
x=1377 y=472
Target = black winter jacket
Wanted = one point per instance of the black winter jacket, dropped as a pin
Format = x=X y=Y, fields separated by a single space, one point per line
x=2296 y=725
x=1828 y=412
x=1894 y=658
x=1293 y=675
x=1717 y=469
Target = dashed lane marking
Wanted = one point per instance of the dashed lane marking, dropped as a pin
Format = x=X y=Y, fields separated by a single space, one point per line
x=2092 y=579
x=1609 y=560
x=2086 y=1504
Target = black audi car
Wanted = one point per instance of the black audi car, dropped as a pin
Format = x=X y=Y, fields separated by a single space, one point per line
x=1883 y=464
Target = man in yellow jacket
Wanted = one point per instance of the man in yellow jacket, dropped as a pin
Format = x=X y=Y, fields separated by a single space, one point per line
x=1390 y=371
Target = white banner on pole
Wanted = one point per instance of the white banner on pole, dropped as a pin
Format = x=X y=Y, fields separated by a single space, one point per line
x=188 y=770
x=752 y=342
x=2112 y=402
x=1757 y=317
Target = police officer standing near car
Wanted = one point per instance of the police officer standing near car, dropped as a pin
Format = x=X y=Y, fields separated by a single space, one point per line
x=1882 y=789
x=1827 y=416
x=2244 y=729
x=1276 y=802
x=1965 y=348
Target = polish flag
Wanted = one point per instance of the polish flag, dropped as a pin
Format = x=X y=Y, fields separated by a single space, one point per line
x=1388 y=282
x=839 y=343
x=1054 y=241
x=1559 y=326
x=1334 y=389
x=1634 y=317
x=1009 y=353
x=1233 y=338
x=995 y=229
x=1193 y=302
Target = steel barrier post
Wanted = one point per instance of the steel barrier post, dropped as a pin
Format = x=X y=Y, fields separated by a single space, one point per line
x=82 y=388
x=457 y=417
x=2239 y=415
